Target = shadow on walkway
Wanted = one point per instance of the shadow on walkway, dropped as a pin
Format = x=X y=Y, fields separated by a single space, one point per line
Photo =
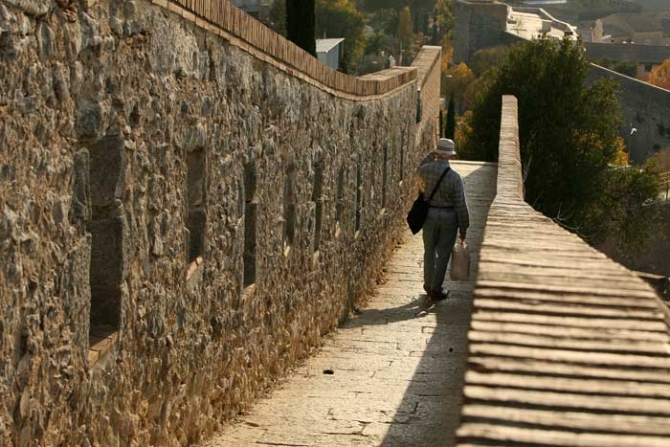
x=418 y=308
x=434 y=394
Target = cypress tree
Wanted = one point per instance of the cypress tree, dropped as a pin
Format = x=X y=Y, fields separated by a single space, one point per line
x=450 y=128
x=441 y=122
x=301 y=24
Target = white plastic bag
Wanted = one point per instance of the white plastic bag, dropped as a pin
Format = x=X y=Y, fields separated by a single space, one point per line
x=460 y=262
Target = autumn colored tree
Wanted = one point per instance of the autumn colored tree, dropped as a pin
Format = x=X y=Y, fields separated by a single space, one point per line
x=456 y=80
x=660 y=75
x=620 y=156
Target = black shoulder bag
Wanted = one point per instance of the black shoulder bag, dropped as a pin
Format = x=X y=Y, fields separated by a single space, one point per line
x=417 y=215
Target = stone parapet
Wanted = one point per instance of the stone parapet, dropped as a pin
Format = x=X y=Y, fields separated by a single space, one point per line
x=562 y=339
x=428 y=65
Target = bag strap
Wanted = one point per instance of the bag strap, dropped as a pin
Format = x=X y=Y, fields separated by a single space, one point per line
x=438 y=182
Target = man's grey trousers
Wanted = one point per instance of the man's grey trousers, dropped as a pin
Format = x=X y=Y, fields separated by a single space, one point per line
x=439 y=235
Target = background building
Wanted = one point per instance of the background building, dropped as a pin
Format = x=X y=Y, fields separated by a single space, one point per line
x=329 y=51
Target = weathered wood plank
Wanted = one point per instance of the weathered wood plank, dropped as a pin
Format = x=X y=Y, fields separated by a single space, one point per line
x=513 y=436
x=549 y=368
x=570 y=420
x=552 y=320
x=558 y=297
x=602 y=265
x=567 y=287
x=503 y=305
x=565 y=356
x=574 y=271
x=584 y=285
x=577 y=344
x=587 y=333
x=570 y=385
x=549 y=399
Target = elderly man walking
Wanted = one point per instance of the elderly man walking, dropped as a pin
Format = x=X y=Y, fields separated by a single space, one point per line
x=447 y=214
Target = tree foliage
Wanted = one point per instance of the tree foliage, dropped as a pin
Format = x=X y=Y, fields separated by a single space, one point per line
x=376 y=5
x=660 y=75
x=385 y=21
x=376 y=43
x=442 y=21
x=300 y=24
x=277 y=17
x=624 y=67
x=568 y=137
x=456 y=80
x=340 y=18
x=660 y=161
x=624 y=212
x=487 y=58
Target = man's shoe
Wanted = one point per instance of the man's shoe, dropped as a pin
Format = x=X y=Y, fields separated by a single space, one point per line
x=438 y=295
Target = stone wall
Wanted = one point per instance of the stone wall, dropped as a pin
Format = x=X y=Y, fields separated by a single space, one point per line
x=646 y=108
x=182 y=216
x=477 y=25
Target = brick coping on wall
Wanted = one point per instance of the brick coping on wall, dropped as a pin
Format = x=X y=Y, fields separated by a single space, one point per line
x=222 y=18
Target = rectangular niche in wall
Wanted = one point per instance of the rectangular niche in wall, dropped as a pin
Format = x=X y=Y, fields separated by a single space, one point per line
x=196 y=220
x=250 y=219
x=289 y=207
x=339 y=204
x=359 y=195
x=317 y=198
x=385 y=174
x=402 y=156
x=107 y=171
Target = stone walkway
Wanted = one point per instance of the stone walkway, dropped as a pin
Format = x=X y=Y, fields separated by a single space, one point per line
x=392 y=376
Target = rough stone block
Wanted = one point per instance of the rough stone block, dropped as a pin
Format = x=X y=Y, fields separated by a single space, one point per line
x=89 y=119
x=107 y=171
